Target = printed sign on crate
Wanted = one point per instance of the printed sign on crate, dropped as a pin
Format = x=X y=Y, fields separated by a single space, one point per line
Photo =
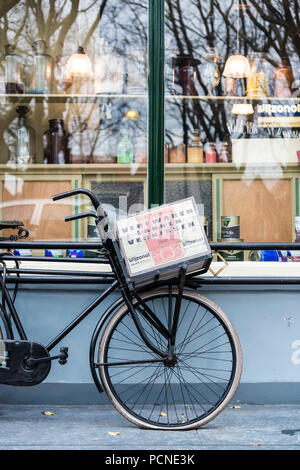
x=162 y=237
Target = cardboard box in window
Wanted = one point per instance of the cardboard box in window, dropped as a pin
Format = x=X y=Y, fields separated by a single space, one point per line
x=265 y=151
x=155 y=243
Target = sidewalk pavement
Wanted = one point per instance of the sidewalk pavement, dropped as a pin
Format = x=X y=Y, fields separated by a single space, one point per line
x=88 y=427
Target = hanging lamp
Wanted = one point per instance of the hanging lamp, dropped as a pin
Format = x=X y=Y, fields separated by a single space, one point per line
x=237 y=65
x=79 y=64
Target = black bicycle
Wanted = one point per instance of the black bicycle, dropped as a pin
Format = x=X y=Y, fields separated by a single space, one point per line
x=167 y=357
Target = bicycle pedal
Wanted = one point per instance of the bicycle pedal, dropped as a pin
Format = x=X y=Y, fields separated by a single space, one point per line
x=63 y=356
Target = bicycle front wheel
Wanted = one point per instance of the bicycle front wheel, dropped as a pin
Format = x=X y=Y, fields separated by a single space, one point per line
x=153 y=393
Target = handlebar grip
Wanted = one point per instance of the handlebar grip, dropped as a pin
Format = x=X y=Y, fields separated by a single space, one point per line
x=74 y=192
x=80 y=216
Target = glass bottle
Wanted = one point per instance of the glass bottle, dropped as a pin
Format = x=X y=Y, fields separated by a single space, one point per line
x=20 y=140
x=103 y=146
x=177 y=149
x=257 y=82
x=13 y=71
x=62 y=79
x=136 y=71
x=184 y=75
x=56 y=143
x=109 y=70
x=209 y=70
x=210 y=153
x=40 y=69
x=224 y=154
x=195 y=148
x=141 y=148
x=125 y=148
x=283 y=79
x=79 y=141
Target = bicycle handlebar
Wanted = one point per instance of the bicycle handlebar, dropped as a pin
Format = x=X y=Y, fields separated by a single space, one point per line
x=80 y=216
x=74 y=192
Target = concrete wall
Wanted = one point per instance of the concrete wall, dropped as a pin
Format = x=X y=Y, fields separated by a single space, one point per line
x=267 y=321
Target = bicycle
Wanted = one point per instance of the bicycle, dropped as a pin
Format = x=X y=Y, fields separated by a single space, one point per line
x=167 y=357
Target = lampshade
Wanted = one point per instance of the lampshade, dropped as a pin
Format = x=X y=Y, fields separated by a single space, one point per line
x=242 y=108
x=237 y=66
x=79 y=65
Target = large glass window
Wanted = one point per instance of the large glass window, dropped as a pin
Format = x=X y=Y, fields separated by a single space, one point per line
x=233 y=115
x=73 y=107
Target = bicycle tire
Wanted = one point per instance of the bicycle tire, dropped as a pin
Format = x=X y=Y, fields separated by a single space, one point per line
x=178 y=397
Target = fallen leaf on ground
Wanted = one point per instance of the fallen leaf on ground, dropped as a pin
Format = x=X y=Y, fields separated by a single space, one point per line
x=235 y=406
x=162 y=414
x=256 y=445
x=114 y=433
x=48 y=413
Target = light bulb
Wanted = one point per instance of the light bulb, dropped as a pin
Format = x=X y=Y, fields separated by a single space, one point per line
x=79 y=65
x=237 y=66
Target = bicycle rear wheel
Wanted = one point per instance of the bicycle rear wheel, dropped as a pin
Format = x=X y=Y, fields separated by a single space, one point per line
x=154 y=394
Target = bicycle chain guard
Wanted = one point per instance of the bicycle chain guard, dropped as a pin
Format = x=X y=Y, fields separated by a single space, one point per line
x=13 y=367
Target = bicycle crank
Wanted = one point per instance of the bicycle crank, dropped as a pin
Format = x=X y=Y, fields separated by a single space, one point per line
x=23 y=363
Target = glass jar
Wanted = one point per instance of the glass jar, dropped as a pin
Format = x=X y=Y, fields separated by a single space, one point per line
x=13 y=71
x=141 y=148
x=125 y=149
x=109 y=70
x=257 y=82
x=20 y=140
x=177 y=149
x=195 y=148
x=283 y=79
x=56 y=143
x=103 y=146
x=184 y=75
x=62 y=79
x=210 y=153
x=136 y=71
x=209 y=70
x=224 y=154
x=79 y=141
x=39 y=69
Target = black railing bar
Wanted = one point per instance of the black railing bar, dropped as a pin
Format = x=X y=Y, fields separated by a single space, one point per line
x=254 y=246
x=44 y=272
x=97 y=246
x=56 y=280
x=50 y=259
x=245 y=280
x=44 y=245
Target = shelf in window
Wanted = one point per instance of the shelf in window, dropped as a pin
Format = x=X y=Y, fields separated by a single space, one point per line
x=67 y=98
x=230 y=98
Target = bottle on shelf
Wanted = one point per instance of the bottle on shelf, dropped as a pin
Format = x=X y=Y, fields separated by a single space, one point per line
x=141 y=148
x=136 y=65
x=224 y=153
x=184 y=75
x=103 y=146
x=209 y=70
x=20 y=140
x=125 y=148
x=177 y=150
x=210 y=153
x=13 y=71
x=79 y=141
x=62 y=79
x=109 y=70
x=39 y=69
x=283 y=79
x=195 y=147
x=258 y=81
x=56 y=143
